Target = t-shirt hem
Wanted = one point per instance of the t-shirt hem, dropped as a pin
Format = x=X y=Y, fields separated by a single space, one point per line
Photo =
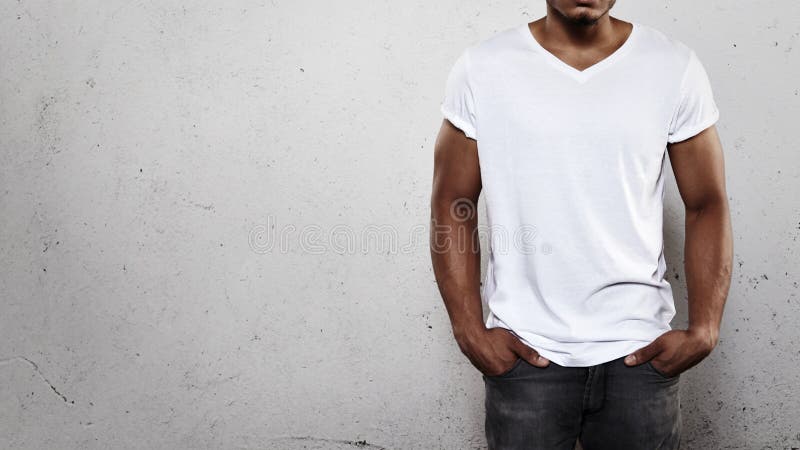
x=613 y=350
x=561 y=360
x=458 y=122
x=695 y=130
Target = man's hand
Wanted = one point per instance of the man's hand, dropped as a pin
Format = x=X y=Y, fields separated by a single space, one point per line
x=675 y=351
x=494 y=351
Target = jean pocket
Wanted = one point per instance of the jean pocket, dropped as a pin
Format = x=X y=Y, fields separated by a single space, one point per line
x=660 y=373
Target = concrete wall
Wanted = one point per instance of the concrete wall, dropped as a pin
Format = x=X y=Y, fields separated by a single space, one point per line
x=152 y=151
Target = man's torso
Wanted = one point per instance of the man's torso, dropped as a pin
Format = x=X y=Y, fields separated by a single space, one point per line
x=572 y=165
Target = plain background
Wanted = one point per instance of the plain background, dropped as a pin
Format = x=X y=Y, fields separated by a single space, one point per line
x=147 y=147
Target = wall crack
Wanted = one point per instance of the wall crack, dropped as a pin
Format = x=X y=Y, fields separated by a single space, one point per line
x=356 y=444
x=39 y=373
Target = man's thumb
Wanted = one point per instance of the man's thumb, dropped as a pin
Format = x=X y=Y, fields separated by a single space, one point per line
x=529 y=354
x=642 y=355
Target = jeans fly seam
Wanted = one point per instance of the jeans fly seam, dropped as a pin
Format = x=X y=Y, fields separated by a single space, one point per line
x=588 y=388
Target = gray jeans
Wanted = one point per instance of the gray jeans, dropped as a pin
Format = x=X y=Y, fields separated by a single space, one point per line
x=606 y=406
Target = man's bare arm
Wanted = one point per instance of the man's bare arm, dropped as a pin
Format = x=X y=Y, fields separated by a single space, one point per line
x=455 y=254
x=700 y=174
x=455 y=250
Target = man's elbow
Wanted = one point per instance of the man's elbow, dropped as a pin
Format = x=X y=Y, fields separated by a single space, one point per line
x=713 y=204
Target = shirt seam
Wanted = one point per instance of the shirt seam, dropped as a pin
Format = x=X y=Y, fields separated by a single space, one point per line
x=681 y=91
x=470 y=86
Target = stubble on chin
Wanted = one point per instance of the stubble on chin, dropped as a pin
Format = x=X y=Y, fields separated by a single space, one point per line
x=587 y=17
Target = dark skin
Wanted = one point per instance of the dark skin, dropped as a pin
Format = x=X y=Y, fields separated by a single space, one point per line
x=581 y=33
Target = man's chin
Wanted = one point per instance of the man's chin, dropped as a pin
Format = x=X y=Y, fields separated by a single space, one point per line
x=586 y=20
x=585 y=16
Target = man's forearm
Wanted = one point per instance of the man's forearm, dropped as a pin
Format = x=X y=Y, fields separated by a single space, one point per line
x=455 y=254
x=708 y=261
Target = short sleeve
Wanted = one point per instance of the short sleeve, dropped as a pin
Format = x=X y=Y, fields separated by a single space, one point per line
x=696 y=109
x=458 y=105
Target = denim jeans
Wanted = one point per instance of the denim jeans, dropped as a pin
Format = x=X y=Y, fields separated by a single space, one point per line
x=605 y=406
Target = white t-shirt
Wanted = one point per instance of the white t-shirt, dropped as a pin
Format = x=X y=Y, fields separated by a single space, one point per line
x=572 y=165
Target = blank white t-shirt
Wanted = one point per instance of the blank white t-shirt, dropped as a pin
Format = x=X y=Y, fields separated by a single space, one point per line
x=572 y=166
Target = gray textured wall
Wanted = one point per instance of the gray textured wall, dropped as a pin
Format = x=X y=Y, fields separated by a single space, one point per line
x=148 y=148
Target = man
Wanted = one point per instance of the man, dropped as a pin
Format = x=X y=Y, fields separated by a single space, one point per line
x=564 y=124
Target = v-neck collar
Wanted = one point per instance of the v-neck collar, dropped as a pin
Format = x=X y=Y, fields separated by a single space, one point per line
x=581 y=76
